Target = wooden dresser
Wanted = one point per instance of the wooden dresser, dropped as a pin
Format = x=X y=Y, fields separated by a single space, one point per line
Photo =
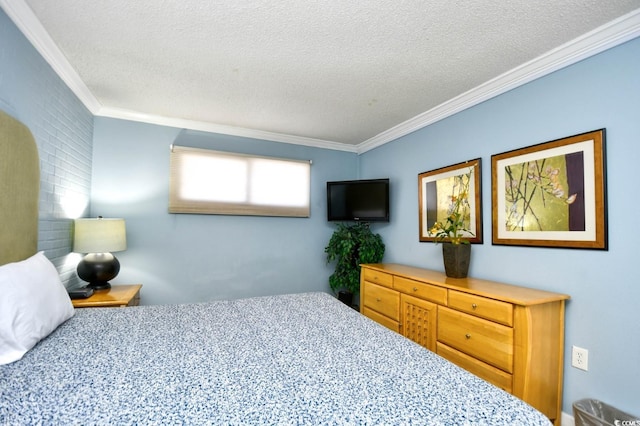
x=510 y=336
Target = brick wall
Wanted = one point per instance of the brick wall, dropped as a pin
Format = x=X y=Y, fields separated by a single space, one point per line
x=63 y=128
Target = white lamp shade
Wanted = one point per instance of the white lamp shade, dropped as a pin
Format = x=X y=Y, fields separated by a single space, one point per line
x=99 y=235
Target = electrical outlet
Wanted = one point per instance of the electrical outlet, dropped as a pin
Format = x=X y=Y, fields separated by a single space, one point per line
x=580 y=358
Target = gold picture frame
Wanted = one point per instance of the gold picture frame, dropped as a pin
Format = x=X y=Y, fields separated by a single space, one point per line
x=434 y=198
x=552 y=194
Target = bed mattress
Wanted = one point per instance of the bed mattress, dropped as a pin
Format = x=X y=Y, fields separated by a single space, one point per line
x=290 y=359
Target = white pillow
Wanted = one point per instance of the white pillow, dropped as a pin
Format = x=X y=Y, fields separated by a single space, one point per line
x=33 y=303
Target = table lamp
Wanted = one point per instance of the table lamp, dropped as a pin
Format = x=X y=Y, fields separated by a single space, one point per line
x=98 y=238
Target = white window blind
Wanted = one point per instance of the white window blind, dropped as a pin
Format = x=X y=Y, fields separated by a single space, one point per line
x=213 y=182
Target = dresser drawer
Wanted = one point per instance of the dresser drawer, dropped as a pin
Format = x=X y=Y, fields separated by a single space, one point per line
x=484 y=307
x=378 y=277
x=382 y=300
x=381 y=319
x=484 y=371
x=422 y=290
x=477 y=337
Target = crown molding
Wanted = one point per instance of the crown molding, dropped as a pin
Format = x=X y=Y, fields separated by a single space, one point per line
x=24 y=18
x=225 y=130
x=612 y=34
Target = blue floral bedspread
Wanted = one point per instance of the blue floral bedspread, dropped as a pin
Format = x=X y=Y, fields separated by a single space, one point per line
x=291 y=360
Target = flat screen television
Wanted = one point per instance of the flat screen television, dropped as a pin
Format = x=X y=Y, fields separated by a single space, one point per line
x=365 y=200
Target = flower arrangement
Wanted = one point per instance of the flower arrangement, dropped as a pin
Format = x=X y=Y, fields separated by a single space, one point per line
x=454 y=229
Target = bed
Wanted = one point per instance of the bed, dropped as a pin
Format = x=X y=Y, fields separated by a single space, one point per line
x=286 y=359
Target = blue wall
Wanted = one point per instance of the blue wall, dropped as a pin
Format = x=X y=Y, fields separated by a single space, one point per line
x=602 y=315
x=33 y=93
x=193 y=258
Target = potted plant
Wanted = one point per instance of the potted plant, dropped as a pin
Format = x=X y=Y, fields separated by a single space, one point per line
x=453 y=233
x=351 y=245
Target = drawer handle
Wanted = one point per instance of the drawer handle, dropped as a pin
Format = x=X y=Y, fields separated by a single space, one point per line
x=468 y=336
x=378 y=299
x=474 y=306
x=415 y=289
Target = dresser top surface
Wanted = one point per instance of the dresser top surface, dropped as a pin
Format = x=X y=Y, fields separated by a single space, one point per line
x=508 y=292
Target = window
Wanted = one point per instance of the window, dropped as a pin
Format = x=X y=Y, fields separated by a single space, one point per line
x=213 y=182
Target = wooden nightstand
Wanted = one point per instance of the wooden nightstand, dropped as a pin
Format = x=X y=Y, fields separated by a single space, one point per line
x=116 y=296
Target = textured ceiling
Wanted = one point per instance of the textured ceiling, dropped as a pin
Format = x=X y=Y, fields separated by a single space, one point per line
x=331 y=72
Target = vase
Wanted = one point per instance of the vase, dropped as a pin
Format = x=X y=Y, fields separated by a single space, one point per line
x=456 y=259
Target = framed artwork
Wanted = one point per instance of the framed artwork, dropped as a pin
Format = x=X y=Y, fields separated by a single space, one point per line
x=437 y=192
x=552 y=194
